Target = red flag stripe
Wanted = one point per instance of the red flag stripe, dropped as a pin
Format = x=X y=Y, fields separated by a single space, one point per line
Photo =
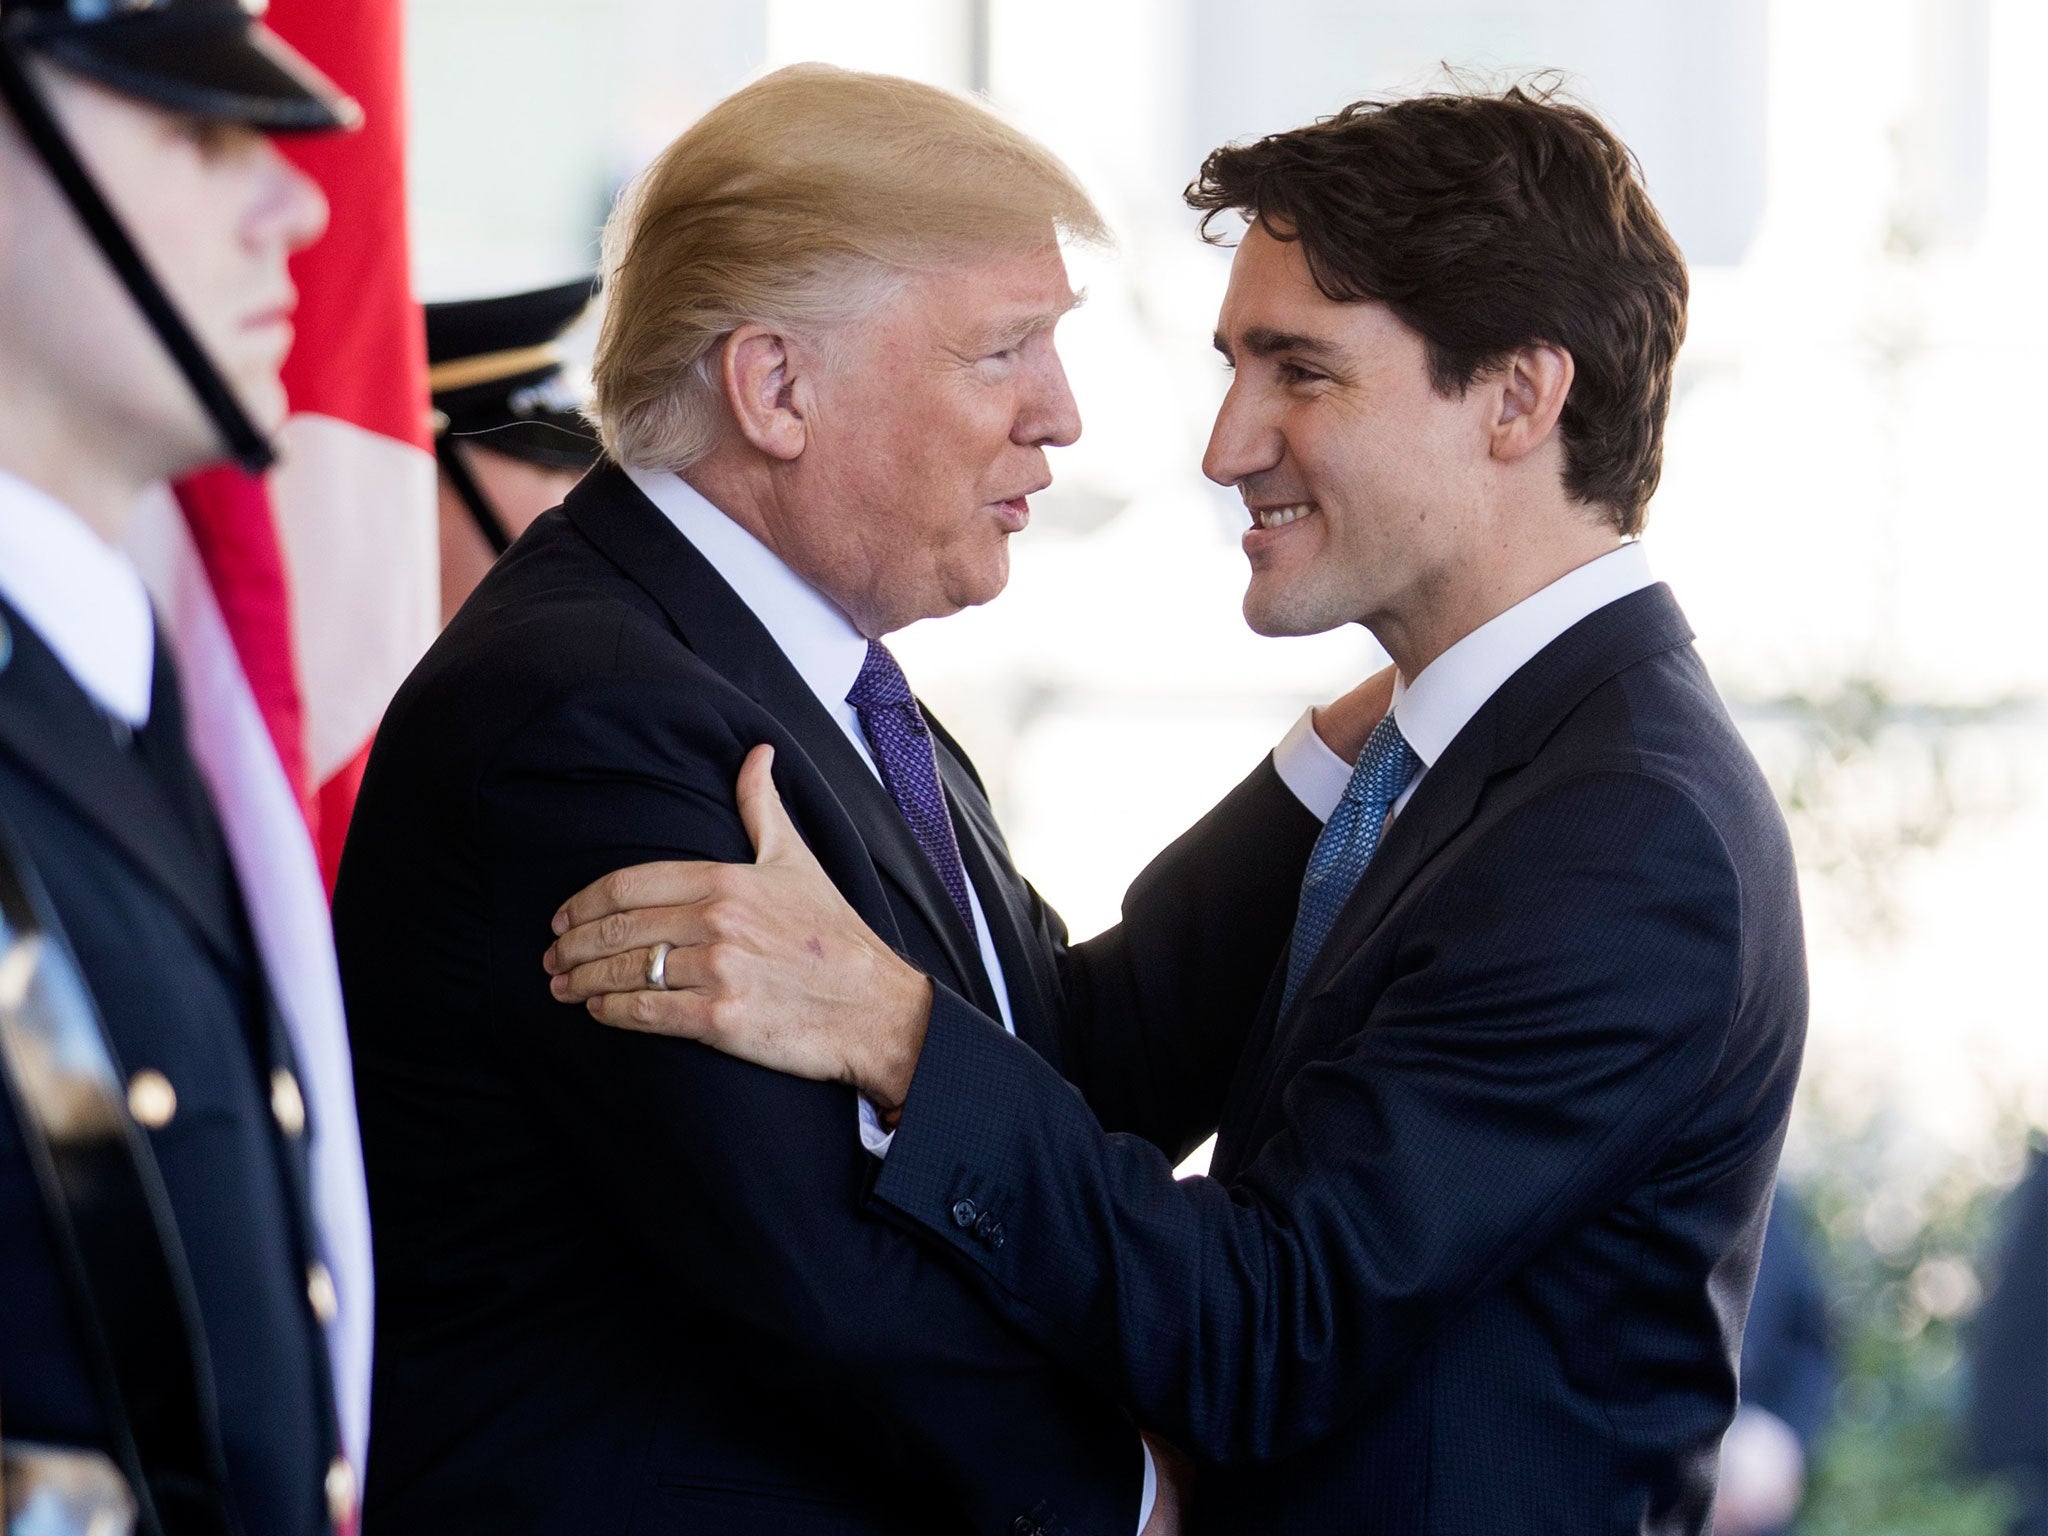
x=228 y=511
x=362 y=350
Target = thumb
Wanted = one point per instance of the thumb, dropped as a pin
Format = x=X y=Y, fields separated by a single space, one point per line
x=769 y=828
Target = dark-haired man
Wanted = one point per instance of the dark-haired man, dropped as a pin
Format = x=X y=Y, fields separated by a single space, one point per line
x=1495 y=1158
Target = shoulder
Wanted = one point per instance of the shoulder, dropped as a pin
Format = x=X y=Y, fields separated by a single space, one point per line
x=556 y=640
x=1607 y=825
x=1655 y=744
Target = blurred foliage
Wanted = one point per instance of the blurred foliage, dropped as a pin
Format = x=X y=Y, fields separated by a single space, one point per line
x=1904 y=1236
x=1870 y=783
x=1904 y=1227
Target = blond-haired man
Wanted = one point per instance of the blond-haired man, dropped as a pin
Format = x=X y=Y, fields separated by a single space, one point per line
x=627 y=1283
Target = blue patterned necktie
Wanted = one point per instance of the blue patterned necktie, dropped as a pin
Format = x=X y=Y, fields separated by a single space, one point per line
x=1349 y=839
x=902 y=744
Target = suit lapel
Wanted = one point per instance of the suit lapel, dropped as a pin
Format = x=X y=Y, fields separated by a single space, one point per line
x=1506 y=733
x=50 y=727
x=1005 y=902
x=608 y=509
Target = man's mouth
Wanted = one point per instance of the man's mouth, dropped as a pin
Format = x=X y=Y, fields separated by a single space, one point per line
x=1280 y=517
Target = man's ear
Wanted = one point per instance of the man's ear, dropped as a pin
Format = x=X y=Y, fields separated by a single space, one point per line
x=1532 y=386
x=757 y=376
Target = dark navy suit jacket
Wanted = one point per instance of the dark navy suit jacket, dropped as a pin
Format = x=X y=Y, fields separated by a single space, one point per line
x=134 y=865
x=1488 y=1197
x=625 y=1283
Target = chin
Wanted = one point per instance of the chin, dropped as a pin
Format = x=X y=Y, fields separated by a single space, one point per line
x=266 y=404
x=1286 y=613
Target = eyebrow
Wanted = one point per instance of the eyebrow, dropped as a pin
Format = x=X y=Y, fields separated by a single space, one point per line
x=1028 y=325
x=1261 y=341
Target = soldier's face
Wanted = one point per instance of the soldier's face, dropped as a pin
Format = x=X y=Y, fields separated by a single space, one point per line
x=216 y=212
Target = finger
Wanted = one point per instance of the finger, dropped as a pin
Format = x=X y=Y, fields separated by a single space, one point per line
x=707 y=967
x=669 y=883
x=617 y=932
x=761 y=811
x=625 y=972
x=679 y=1015
x=774 y=836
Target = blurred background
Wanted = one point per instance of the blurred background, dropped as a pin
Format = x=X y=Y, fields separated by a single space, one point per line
x=1852 y=514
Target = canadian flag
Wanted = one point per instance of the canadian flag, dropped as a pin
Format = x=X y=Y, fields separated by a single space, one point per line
x=297 y=603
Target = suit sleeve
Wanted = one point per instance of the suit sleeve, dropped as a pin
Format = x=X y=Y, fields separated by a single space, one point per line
x=1155 y=1011
x=747 y=1187
x=1559 y=999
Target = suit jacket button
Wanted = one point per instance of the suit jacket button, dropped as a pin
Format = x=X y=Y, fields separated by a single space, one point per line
x=320 y=1292
x=988 y=1226
x=151 y=1099
x=964 y=1213
x=287 y=1103
x=995 y=1238
x=1024 y=1525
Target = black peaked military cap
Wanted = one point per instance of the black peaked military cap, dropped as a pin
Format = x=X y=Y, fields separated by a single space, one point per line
x=496 y=372
x=209 y=58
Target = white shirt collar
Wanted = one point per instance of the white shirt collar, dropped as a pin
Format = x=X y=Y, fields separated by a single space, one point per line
x=1448 y=692
x=79 y=593
x=819 y=640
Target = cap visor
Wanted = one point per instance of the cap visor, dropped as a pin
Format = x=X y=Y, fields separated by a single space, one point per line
x=551 y=439
x=227 y=69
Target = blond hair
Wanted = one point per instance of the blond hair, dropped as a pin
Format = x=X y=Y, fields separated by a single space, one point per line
x=801 y=202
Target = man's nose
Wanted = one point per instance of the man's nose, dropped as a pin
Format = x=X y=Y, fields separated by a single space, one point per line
x=1242 y=443
x=1050 y=417
x=293 y=209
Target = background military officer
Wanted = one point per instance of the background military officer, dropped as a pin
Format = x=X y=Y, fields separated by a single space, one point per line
x=509 y=429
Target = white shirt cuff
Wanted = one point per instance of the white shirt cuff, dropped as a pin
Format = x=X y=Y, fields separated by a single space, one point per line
x=872 y=1136
x=1150 y=1495
x=1309 y=768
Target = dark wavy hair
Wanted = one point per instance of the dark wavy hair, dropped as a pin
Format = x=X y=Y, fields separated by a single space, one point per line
x=1487 y=223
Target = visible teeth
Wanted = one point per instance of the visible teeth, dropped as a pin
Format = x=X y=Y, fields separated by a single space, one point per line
x=1280 y=517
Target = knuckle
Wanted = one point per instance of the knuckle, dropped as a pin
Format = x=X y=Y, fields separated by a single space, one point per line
x=615 y=930
x=721 y=1015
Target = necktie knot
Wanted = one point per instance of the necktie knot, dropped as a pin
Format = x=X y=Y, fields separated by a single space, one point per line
x=881 y=683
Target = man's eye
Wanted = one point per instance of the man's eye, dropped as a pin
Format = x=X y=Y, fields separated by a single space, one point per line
x=209 y=135
x=1294 y=373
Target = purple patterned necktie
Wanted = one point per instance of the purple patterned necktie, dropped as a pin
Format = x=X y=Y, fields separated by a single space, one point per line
x=902 y=746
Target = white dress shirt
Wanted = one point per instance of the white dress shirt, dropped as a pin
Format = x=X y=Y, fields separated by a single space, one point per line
x=1436 y=705
x=81 y=595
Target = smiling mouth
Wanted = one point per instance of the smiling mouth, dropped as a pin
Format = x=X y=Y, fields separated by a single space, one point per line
x=1280 y=517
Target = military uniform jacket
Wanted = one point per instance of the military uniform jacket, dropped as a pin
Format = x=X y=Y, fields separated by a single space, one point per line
x=126 y=845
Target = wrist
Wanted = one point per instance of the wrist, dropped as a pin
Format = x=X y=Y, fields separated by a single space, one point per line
x=903 y=1015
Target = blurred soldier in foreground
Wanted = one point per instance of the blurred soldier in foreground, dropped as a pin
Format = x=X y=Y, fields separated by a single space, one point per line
x=2009 y=1410
x=162 y=1302
x=508 y=428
